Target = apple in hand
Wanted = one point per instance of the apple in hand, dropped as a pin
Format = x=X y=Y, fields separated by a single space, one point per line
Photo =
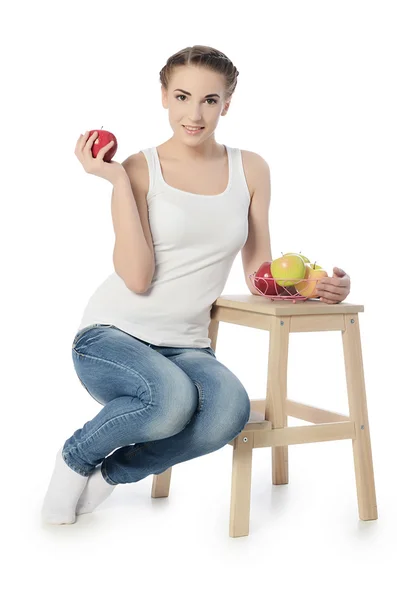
x=103 y=138
x=263 y=280
x=313 y=273
x=287 y=269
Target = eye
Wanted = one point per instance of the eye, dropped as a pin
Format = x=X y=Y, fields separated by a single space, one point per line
x=208 y=99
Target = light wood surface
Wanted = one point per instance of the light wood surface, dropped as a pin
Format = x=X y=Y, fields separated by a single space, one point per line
x=268 y=422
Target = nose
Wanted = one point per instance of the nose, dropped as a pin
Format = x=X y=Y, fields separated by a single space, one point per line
x=195 y=114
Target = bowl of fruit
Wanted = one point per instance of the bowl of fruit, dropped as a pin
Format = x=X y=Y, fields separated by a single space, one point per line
x=291 y=277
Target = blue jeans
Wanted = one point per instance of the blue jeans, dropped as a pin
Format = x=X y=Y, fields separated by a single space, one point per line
x=161 y=405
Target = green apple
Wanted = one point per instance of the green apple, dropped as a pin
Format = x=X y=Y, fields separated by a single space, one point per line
x=304 y=258
x=287 y=269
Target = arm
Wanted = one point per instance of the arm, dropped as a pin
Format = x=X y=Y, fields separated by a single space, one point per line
x=257 y=248
x=133 y=254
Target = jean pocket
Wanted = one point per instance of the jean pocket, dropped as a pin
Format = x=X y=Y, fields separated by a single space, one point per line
x=80 y=333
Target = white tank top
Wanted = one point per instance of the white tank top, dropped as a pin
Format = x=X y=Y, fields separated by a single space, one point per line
x=196 y=239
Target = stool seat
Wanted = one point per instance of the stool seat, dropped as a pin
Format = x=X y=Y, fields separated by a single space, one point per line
x=279 y=308
x=268 y=421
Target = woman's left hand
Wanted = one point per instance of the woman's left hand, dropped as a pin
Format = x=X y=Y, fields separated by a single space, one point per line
x=334 y=289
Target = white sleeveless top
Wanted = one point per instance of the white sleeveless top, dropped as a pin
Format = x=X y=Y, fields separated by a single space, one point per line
x=196 y=239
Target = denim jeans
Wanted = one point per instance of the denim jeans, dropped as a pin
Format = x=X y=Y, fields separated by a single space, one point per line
x=161 y=405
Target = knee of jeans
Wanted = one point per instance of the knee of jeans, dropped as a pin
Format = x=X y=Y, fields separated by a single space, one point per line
x=236 y=412
x=176 y=412
x=242 y=408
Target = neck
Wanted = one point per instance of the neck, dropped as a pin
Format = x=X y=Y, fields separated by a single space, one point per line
x=208 y=150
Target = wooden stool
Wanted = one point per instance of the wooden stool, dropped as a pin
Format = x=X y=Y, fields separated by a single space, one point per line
x=268 y=423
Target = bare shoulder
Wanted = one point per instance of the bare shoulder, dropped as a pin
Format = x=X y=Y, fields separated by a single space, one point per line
x=255 y=168
x=137 y=170
x=254 y=161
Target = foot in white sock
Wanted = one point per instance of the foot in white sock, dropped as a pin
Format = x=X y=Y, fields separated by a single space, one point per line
x=95 y=492
x=64 y=490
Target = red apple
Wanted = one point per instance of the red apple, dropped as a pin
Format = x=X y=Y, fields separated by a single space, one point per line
x=267 y=285
x=103 y=138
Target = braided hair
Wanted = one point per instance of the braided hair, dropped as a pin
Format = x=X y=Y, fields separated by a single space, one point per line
x=203 y=56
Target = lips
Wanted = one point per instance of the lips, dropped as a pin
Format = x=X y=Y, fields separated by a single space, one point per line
x=192 y=128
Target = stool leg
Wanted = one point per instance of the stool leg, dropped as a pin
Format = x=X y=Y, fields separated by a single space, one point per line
x=241 y=485
x=161 y=484
x=362 y=453
x=213 y=329
x=277 y=393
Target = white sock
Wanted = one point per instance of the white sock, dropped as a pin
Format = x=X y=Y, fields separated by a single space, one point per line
x=95 y=492
x=63 y=493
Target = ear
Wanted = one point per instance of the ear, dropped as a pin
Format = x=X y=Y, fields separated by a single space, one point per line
x=164 y=97
x=226 y=107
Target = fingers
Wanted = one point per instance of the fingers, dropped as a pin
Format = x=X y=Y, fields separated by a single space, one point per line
x=332 y=281
x=86 y=144
x=83 y=152
x=81 y=142
x=330 y=296
x=326 y=301
x=89 y=142
x=335 y=287
x=103 y=150
x=328 y=290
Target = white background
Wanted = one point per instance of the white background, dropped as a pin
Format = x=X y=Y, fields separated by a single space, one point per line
x=316 y=97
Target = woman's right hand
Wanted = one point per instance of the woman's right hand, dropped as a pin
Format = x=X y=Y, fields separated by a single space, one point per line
x=111 y=171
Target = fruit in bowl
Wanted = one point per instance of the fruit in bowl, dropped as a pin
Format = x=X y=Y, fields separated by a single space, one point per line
x=288 y=269
x=292 y=275
x=303 y=257
x=103 y=138
x=313 y=273
x=264 y=281
x=288 y=290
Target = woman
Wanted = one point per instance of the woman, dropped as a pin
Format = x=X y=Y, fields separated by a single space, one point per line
x=142 y=349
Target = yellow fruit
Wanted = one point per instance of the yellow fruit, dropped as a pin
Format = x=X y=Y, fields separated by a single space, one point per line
x=304 y=258
x=313 y=273
x=287 y=269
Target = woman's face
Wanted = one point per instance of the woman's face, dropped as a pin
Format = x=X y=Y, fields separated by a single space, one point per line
x=195 y=97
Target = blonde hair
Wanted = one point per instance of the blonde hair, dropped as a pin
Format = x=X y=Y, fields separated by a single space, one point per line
x=203 y=56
